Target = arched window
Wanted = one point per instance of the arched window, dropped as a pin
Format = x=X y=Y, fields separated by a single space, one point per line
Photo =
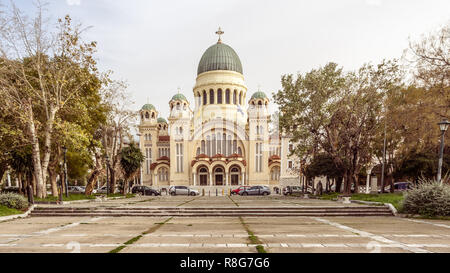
x=219 y=96
x=198 y=151
x=205 y=98
x=214 y=151
x=240 y=98
x=235 y=97
x=227 y=96
x=184 y=106
x=142 y=116
x=203 y=147
x=239 y=151
x=219 y=143
x=153 y=115
x=178 y=106
x=147 y=116
x=224 y=144
x=260 y=103
x=211 y=96
x=208 y=146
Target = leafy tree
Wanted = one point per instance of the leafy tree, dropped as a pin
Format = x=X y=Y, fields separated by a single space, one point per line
x=131 y=159
x=39 y=66
x=337 y=113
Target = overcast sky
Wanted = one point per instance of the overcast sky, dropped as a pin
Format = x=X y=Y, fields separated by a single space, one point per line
x=156 y=45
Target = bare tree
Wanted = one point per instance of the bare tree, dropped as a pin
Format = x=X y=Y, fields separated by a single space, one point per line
x=37 y=68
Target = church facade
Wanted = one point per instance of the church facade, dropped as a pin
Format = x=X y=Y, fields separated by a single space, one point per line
x=221 y=140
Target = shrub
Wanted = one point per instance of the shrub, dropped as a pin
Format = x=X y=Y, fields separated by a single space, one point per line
x=428 y=198
x=13 y=201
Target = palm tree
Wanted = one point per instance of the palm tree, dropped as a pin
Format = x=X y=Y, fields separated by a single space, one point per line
x=131 y=159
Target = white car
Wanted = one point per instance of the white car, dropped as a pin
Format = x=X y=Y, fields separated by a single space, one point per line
x=182 y=190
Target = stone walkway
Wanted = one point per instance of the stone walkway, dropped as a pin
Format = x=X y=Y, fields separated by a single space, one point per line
x=223 y=234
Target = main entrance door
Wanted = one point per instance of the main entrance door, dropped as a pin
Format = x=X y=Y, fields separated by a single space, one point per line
x=219 y=175
x=219 y=180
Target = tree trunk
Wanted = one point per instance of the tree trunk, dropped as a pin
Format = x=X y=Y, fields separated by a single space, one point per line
x=92 y=181
x=36 y=155
x=47 y=142
x=338 y=184
x=52 y=178
x=112 y=180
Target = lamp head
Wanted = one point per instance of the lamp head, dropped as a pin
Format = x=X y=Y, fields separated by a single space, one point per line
x=443 y=125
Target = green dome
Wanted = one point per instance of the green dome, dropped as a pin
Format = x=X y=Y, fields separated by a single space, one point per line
x=148 y=107
x=179 y=97
x=219 y=57
x=162 y=120
x=259 y=95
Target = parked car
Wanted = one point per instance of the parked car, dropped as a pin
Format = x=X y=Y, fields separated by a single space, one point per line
x=10 y=190
x=241 y=188
x=144 y=190
x=256 y=190
x=289 y=190
x=182 y=190
x=402 y=186
x=76 y=189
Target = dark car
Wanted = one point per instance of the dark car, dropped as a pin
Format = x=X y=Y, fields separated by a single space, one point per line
x=402 y=186
x=289 y=190
x=238 y=190
x=10 y=190
x=144 y=190
x=255 y=190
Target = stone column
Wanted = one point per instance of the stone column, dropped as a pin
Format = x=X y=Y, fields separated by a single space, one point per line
x=156 y=180
x=195 y=179
x=243 y=179
x=226 y=179
x=210 y=179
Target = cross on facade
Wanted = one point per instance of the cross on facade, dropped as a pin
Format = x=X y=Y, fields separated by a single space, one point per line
x=220 y=33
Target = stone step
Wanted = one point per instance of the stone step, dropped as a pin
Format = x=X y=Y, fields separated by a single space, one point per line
x=215 y=211
x=208 y=214
x=210 y=209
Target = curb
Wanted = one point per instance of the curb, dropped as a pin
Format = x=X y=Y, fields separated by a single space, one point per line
x=389 y=205
x=11 y=217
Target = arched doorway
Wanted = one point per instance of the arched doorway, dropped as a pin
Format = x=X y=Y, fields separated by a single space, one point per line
x=235 y=173
x=203 y=176
x=219 y=176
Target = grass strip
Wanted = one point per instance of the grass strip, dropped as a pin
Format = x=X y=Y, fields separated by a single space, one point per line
x=135 y=239
x=5 y=211
x=252 y=237
x=237 y=205
x=186 y=202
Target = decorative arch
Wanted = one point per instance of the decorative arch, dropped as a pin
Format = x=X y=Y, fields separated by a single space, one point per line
x=219 y=96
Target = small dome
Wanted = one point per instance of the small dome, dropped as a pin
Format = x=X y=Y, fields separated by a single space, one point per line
x=162 y=120
x=148 y=107
x=179 y=97
x=259 y=95
x=219 y=57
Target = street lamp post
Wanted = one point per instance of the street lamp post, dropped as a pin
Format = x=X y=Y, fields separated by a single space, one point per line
x=65 y=171
x=107 y=178
x=443 y=126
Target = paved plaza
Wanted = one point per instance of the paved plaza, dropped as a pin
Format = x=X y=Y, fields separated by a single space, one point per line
x=222 y=234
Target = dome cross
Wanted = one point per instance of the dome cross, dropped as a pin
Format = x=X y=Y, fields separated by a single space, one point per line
x=220 y=32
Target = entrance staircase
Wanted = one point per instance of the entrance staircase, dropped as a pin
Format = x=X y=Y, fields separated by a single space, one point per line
x=212 y=212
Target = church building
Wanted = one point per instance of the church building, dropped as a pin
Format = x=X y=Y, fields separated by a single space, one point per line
x=221 y=140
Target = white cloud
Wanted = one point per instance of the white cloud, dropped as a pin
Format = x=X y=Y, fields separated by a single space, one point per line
x=73 y=2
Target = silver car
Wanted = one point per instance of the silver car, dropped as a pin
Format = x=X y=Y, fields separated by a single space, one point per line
x=256 y=190
x=182 y=190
